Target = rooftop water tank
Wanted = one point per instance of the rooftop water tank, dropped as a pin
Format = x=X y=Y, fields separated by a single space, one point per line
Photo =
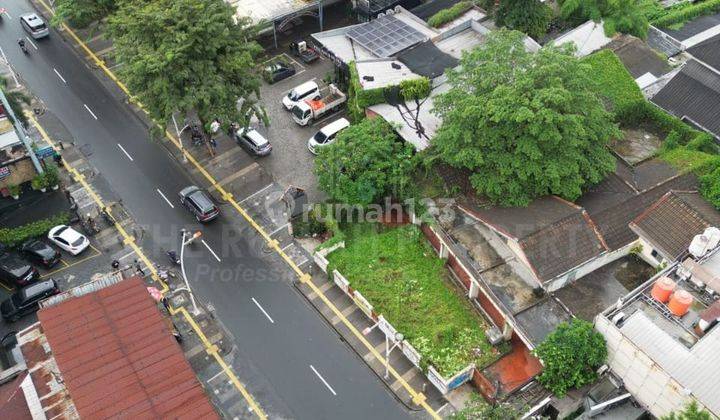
x=680 y=302
x=662 y=289
x=699 y=246
x=713 y=235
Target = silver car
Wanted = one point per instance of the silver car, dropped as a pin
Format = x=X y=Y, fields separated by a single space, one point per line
x=34 y=25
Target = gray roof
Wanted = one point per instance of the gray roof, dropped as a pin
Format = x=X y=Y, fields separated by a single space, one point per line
x=694 y=27
x=662 y=42
x=427 y=60
x=638 y=57
x=694 y=92
x=708 y=52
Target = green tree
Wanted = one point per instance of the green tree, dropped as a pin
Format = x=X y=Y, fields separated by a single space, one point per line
x=15 y=99
x=625 y=16
x=529 y=16
x=478 y=409
x=181 y=55
x=571 y=355
x=366 y=163
x=525 y=124
x=81 y=13
x=691 y=412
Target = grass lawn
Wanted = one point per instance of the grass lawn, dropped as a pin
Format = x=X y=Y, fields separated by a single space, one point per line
x=401 y=276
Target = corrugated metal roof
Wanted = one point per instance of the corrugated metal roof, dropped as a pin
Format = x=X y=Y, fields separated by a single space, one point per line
x=118 y=358
x=697 y=369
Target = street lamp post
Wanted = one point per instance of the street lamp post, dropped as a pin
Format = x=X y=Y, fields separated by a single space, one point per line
x=388 y=349
x=182 y=265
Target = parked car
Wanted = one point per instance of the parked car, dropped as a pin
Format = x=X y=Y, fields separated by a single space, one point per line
x=308 y=90
x=326 y=135
x=253 y=142
x=68 y=239
x=199 y=203
x=39 y=252
x=34 y=25
x=331 y=99
x=278 y=71
x=301 y=49
x=27 y=299
x=14 y=271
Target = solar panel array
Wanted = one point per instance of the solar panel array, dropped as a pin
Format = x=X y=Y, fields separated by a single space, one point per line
x=385 y=36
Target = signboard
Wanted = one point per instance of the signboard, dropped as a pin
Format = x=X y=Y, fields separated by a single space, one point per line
x=4 y=172
x=461 y=378
x=388 y=329
x=364 y=305
x=341 y=282
x=412 y=355
x=44 y=152
x=321 y=261
x=436 y=380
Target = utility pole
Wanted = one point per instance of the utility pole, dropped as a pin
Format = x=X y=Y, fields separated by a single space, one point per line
x=182 y=266
x=20 y=130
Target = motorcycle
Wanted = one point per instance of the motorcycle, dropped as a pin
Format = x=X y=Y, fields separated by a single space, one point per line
x=23 y=47
x=174 y=257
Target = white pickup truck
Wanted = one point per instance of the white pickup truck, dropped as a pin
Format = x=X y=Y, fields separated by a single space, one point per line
x=331 y=98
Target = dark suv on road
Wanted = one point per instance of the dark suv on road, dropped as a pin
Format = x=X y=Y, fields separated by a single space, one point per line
x=199 y=203
x=27 y=299
x=16 y=272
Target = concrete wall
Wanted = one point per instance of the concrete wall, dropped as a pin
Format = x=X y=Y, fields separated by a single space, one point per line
x=588 y=267
x=20 y=171
x=646 y=254
x=651 y=386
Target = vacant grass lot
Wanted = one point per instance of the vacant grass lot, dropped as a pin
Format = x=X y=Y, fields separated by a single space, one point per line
x=401 y=276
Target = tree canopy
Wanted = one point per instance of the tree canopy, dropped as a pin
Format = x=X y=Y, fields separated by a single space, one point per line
x=625 y=16
x=80 y=13
x=365 y=164
x=180 y=55
x=525 y=124
x=691 y=412
x=571 y=355
x=529 y=16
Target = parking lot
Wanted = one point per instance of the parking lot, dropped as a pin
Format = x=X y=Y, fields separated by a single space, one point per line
x=290 y=162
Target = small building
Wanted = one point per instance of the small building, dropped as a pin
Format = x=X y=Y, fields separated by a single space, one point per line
x=102 y=350
x=16 y=166
x=663 y=338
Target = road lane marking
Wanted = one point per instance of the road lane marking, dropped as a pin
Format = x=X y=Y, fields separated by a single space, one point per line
x=90 y=111
x=256 y=193
x=210 y=249
x=126 y=153
x=279 y=229
x=60 y=76
x=165 y=198
x=8 y=14
x=263 y=310
x=31 y=43
x=323 y=380
x=12 y=72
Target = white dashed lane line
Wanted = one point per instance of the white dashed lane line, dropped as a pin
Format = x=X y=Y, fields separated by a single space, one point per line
x=90 y=111
x=60 y=76
x=210 y=249
x=323 y=380
x=165 y=198
x=31 y=43
x=263 y=310
x=125 y=151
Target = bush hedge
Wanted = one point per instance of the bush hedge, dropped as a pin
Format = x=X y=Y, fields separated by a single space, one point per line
x=613 y=81
x=686 y=12
x=448 y=15
x=16 y=236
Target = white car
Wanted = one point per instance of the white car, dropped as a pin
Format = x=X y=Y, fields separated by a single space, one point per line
x=68 y=239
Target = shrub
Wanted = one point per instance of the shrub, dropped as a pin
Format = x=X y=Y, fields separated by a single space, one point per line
x=710 y=187
x=448 y=15
x=415 y=89
x=14 y=190
x=703 y=142
x=39 y=182
x=687 y=12
x=52 y=176
x=570 y=355
x=613 y=81
x=20 y=234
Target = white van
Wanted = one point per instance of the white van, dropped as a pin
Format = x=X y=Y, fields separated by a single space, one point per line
x=307 y=90
x=327 y=135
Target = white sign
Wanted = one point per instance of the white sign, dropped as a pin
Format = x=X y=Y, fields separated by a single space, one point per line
x=388 y=329
x=412 y=355
x=321 y=261
x=364 y=305
x=341 y=281
x=437 y=380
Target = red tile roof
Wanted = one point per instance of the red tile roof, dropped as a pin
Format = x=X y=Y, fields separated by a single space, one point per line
x=118 y=357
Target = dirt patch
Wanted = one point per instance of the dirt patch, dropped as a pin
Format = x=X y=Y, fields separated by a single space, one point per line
x=639 y=144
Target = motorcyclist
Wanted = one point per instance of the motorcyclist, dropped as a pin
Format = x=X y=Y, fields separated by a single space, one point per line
x=21 y=43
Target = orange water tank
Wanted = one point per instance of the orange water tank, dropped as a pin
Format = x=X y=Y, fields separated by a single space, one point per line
x=680 y=302
x=662 y=289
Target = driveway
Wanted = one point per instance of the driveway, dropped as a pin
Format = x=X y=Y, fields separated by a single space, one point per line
x=290 y=162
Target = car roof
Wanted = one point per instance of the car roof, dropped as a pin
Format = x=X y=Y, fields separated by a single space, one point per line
x=37 y=288
x=201 y=199
x=33 y=19
x=68 y=233
x=12 y=262
x=256 y=138
x=335 y=126
x=34 y=244
x=309 y=85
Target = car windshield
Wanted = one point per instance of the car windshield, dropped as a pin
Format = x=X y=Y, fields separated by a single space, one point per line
x=17 y=299
x=298 y=112
x=78 y=242
x=292 y=95
x=61 y=230
x=320 y=137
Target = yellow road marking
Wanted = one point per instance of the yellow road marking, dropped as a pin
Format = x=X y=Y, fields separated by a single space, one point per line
x=418 y=397
x=74 y=263
x=5 y=287
x=129 y=240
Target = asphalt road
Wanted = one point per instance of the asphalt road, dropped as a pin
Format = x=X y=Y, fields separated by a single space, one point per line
x=304 y=370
